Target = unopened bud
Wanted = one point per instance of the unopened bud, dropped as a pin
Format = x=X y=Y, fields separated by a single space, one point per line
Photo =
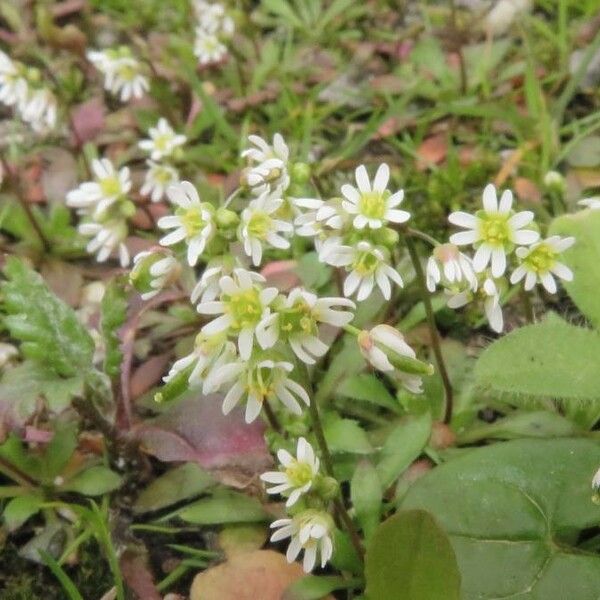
x=226 y=219
x=300 y=172
x=153 y=271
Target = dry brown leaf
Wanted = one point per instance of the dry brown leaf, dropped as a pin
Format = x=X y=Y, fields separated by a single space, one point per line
x=148 y=374
x=432 y=151
x=527 y=190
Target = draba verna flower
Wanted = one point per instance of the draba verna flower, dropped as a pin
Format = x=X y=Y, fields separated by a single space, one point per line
x=208 y=48
x=122 y=72
x=242 y=304
x=449 y=265
x=487 y=293
x=163 y=140
x=193 y=221
x=268 y=165
x=106 y=237
x=296 y=475
x=296 y=320
x=213 y=18
x=259 y=227
x=383 y=346
x=13 y=83
x=367 y=265
x=493 y=231
x=255 y=382
x=157 y=180
x=39 y=109
x=209 y=354
x=310 y=531
x=540 y=263
x=373 y=205
x=96 y=197
x=153 y=271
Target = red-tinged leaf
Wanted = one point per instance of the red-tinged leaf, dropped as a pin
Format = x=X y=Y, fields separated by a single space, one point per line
x=526 y=190
x=432 y=151
x=87 y=120
x=148 y=374
x=196 y=430
x=137 y=575
x=281 y=274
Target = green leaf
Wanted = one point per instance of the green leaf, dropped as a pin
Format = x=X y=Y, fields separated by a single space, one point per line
x=48 y=329
x=93 y=481
x=368 y=388
x=410 y=556
x=586 y=153
x=403 y=445
x=366 y=494
x=346 y=435
x=175 y=485
x=66 y=582
x=313 y=273
x=583 y=258
x=223 y=507
x=21 y=508
x=59 y=450
x=551 y=359
x=314 y=587
x=520 y=504
x=113 y=315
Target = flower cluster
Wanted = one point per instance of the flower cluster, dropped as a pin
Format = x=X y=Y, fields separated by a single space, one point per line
x=123 y=76
x=22 y=88
x=164 y=146
x=104 y=207
x=501 y=239
x=214 y=28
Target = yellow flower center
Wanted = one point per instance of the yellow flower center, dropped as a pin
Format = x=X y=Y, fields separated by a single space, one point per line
x=495 y=231
x=192 y=221
x=298 y=319
x=366 y=263
x=299 y=473
x=110 y=186
x=541 y=259
x=259 y=224
x=372 y=205
x=245 y=309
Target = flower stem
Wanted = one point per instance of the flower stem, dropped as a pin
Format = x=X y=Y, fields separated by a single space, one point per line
x=328 y=464
x=272 y=417
x=435 y=336
x=527 y=306
x=422 y=235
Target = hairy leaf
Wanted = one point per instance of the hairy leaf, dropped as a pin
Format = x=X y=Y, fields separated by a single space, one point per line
x=114 y=313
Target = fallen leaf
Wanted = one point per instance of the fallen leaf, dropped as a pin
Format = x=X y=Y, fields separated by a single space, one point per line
x=64 y=279
x=281 y=274
x=432 y=151
x=263 y=574
x=134 y=566
x=527 y=190
x=87 y=120
x=148 y=374
x=59 y=174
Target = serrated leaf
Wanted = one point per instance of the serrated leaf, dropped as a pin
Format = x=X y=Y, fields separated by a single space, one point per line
x=583 y=258
x=113 y=311
x=551 y=359
x=93 y=481
x=48 y=329
x=410 y=556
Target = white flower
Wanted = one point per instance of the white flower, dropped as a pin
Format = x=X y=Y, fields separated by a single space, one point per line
x=503 y=13
x=320 y=214
x=596 y=481
x=488 y=294
x=39 y=110
x=7 y=353
x=208 y=48
x=296 y=475
x=209 y=354
x=309 y=531
x=163 y=140
x=13 y=84
x=367 y=265
x=268 y=169
x=539 y=263
x=208 y=288
x=383 y=342
x=213 y=18
x=122 y=72
x=592 y=202
x=494 y=231
x=153 y=271
x=95 y=197
x=448 y=264
x=257 y=382
x=297 y=321
x=193 y=221
x=106 y=237
x=258 y=227
x=374 y=206
x=158 y=179
x=242 y=305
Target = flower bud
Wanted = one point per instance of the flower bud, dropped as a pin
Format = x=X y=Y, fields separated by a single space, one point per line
x=300 y=172
x=153 y=271
x=555 y=182
x=226 y=219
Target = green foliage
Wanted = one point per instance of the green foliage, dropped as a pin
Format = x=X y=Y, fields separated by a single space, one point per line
x=368 y=388
x=346 y=435
x=410 y=556
x=93 y=481
x=313 y=587
x=48 y=329
x=551 y=359
x=366 y=494
x=114 y=313
x=21 y=508
x=522 y=505
x=583 y=258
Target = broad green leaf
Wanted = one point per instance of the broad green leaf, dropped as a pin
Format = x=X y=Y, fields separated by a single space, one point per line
x=410 y=556
x=368 y=388
x=346 y=435
x=366 y=495
x=13 y=451
x=58 y=451
x=113 y=315
x=583 y=258
x=21 y=508
x=586 y=153
x=175 y=485
x=48 y=329
x=313 y=272
x=224 y=507
x=316 y=587
x=521 y=505
x=403 y=445
x=93 y=481
x=551 y=359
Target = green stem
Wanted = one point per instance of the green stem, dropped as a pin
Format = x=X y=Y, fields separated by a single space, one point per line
x=435 y=336
x=422 y=235
x=527 y=306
